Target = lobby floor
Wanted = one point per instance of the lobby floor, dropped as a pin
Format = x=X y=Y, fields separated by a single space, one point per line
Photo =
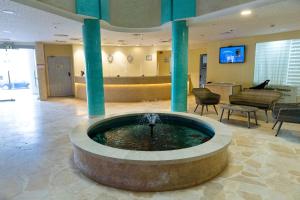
x=36 y=156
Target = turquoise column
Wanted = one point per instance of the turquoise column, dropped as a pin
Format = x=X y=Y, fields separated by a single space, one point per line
x=94 y=72
x=179 y=66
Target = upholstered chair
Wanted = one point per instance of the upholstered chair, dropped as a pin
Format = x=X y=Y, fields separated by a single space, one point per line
x=286 y=112
x=205 y=97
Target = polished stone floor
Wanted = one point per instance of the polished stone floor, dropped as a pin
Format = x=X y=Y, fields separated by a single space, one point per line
x=36 y=156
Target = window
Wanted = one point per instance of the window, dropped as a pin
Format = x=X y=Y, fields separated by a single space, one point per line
x=278 y=61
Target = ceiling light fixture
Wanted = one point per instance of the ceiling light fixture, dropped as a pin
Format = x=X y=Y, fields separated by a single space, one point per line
x=61 y=35
x=246 y=12
x=6 y=31
x=10 y=12
x=60 y=41
x=75 y=39
x=137 y=34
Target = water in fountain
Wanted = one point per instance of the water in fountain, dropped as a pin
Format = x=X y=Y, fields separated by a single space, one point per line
x=165 y=134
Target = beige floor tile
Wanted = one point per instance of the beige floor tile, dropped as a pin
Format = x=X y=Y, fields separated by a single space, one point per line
x=36 y=156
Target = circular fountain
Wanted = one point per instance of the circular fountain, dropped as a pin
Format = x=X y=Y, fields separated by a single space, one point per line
x=151 y=151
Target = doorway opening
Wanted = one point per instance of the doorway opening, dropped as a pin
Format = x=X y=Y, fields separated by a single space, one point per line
x=203 y=70
x=60 y=76
x=18 y=78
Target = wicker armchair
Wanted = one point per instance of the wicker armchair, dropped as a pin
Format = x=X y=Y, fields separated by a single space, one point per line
x=286 y=112
x=205 y=97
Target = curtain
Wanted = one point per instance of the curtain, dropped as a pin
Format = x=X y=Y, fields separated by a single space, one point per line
x=271 y=62
x=279 y=62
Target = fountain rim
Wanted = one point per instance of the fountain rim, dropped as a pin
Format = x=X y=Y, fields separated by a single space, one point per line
x=221 y=139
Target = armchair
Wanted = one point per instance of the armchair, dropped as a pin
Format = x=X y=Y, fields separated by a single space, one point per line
x=286 y=112
x=205 y=97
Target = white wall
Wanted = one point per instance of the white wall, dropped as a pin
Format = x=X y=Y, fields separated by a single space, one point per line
x=120 y=66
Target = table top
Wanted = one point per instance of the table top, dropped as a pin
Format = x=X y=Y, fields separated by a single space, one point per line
x=239 y=108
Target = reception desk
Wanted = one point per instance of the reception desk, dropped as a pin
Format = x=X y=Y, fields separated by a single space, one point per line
x=130 y=89
x=224 y=89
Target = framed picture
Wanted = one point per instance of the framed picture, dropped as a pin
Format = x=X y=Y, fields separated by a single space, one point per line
x=149 y=57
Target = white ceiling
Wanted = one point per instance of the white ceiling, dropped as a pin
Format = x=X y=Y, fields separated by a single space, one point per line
x=31 y=25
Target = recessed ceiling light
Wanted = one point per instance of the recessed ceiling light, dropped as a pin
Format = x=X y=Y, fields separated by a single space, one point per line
x=60 y=41
x=6 y=31
x=137 y=34
x=61 y=35
x=246 y=12
x=75 y=39
x=227 y=32
x=10 y=12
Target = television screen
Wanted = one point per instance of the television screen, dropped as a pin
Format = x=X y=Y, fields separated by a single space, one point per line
x=232 y=54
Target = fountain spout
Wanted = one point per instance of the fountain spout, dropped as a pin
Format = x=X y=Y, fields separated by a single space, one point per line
x=151 y=125
x=152 y=119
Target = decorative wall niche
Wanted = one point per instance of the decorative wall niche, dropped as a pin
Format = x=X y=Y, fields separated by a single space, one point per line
x=130 y=58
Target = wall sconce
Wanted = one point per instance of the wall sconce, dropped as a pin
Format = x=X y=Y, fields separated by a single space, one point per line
x=130 y=58
x=110 y=58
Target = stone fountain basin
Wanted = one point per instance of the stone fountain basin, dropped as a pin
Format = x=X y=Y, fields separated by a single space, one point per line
x=151 y=170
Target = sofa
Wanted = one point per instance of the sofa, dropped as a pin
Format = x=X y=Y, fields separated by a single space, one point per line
x=260 y=98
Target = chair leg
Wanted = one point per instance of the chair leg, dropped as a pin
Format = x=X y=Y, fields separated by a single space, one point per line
x=254 y=113
x=248 y=116
x=275 y=124
x=196 y=107
x=279 y=127
x=222 y=114
x=202 y=110
x=206 y=108
x=228 y=114
x=267 y=119
x=215 y=109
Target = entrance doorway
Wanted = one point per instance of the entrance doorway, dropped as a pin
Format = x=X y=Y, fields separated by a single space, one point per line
x=60 y=76
x=203 y=70
x=17 y=74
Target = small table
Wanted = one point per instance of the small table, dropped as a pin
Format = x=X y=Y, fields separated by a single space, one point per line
x=242 y=109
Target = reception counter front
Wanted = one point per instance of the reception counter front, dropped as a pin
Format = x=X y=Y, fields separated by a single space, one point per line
x=130 y=89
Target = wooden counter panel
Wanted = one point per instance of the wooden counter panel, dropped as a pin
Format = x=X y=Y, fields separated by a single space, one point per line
x=131 y=80
x=130 y=92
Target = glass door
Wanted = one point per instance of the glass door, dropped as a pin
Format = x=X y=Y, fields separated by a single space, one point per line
x=17 y=73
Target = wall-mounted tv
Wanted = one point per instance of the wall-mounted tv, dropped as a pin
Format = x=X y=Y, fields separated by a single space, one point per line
x=232 y=54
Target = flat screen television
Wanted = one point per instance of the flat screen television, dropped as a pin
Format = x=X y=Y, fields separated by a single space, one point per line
x=232 y=54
